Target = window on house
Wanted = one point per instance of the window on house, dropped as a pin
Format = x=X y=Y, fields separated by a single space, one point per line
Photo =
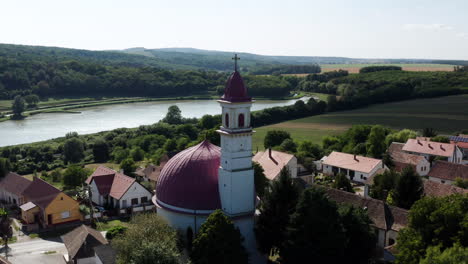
x=65 y=214
x=391 y=241
x=226 y=120
x=241 y=120
x=144 y=200
x=124 y=203
x=134 y=201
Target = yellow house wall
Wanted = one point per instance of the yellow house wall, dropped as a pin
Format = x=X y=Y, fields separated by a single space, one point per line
x=28 y=216
x=60 y=204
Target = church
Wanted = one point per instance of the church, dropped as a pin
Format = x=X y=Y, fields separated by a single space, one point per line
x=205 y=177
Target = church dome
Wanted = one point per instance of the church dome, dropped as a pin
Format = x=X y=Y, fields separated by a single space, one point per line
x=235 y=90
x=189 y=180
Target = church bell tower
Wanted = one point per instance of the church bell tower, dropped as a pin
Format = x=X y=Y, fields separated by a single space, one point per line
x=236 y=174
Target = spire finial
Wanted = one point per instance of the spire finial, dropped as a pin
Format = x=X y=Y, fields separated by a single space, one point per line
x=235 y=58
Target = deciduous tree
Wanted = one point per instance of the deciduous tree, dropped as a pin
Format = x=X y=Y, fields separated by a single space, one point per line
x=73 y=150
x=275 y=138
x=408 y=189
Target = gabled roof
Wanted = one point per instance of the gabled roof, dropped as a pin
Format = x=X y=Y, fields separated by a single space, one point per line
x=151 y=171
x=272 y=165
x=435 y=189
x=14 y=183
x=110 y=182
x=74 y=239
x=41 y=193
x=398 y=155
x=448 y=171
x=429 y=147
x=351 y=162
x=383 y=216
x=105 y=253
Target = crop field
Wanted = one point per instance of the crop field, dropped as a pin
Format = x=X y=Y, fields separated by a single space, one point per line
x=446 y=115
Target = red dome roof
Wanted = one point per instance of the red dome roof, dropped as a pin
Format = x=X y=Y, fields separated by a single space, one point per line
x=235 y=90
x=190 y=179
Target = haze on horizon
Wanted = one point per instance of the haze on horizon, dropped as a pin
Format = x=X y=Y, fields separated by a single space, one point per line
x=357 y=29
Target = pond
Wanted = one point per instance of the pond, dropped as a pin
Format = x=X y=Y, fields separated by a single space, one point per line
x=107 y=117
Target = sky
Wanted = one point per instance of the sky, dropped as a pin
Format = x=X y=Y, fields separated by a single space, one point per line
x=358 y=29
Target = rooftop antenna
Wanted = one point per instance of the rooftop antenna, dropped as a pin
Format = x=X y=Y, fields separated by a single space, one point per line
x=235 y=58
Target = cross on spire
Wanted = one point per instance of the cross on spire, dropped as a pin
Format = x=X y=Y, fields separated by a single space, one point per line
x=235 y=58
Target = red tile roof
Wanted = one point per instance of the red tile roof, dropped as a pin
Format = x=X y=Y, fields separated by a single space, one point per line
x=110 y=182
x=383 y=216
x=40 y=193
x=14 y=183
x=448 y=171
x=429 y=147
x=436 y=189
x=151 y=171
x=351 y=162
x=273 y=165
x=398 y=155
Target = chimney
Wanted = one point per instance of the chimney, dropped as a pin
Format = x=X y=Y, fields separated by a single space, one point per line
x=430 y=146
x=355 y=158
x=441 y=147
x=271 y=156
x=419 y=142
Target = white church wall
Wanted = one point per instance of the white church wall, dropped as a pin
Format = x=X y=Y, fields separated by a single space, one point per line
x=182 y=221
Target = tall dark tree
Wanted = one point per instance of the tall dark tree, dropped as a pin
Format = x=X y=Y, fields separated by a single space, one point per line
x=275 y=138
x=73 y=150
x=32 y=100
x=100 y=150
x=261 y=182
x=375 y=144
x=409 y=188
x=74 y=176
x=383 y=184
x=6 y=232
x=429 y=132
x=342 y=183
x=360 y=235
x=276 y=207
x=5 y=167
x=18 y=106
x=218 y=241
x=173 y=116
x=128 y=166
x=315 y=231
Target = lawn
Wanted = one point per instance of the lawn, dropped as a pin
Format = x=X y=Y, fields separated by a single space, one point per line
x=106 y=225
x=446 y=115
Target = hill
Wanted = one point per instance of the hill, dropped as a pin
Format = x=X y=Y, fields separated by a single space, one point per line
x=446 y=115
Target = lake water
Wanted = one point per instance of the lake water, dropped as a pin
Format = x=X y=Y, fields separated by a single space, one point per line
x=107 y=117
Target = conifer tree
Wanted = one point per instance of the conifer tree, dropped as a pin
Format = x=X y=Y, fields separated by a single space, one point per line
x=218 y=241
x=409 y=188
x=278 y=203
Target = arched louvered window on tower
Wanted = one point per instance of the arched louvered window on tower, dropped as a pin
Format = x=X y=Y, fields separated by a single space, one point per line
x=241 y=120
x=227 y=120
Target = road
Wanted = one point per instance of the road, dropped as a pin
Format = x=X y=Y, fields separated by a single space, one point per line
x=33 y=252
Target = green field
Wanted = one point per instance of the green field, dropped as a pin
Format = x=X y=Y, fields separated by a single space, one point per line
x=446 y=115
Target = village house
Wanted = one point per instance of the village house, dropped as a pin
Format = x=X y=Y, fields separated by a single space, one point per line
x=12 y=187
x=430 y=150
x=436 y=189
x=112 y=189
x=402 y=159
x=387 y=220
x=48 y=206
x=462 y=142
x=151 y=172
x=273 y=162
x=446 y=172
x=81 y=243
x=356 y=168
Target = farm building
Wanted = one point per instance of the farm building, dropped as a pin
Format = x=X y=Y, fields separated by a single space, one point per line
x=435 y=189
x=430 y=150
x=387 y=220
x=446 y=172
x=273 y=162
x=151 y=172
x=12 y=187
x=116 y=190
x=80 y=244
x=462 y=142
x=48 y=206
x=356 y=168
x=403 y=159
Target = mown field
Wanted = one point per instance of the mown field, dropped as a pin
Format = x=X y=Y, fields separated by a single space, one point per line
x=446 y=115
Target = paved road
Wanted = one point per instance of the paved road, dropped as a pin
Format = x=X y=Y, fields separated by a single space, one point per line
x=33 y=252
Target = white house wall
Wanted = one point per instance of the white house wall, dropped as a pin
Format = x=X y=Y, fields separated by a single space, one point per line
x=95 y=196
x=423 y=164
x=135 y=191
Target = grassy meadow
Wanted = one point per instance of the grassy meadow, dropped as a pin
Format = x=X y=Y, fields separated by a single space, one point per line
x=446 y=115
